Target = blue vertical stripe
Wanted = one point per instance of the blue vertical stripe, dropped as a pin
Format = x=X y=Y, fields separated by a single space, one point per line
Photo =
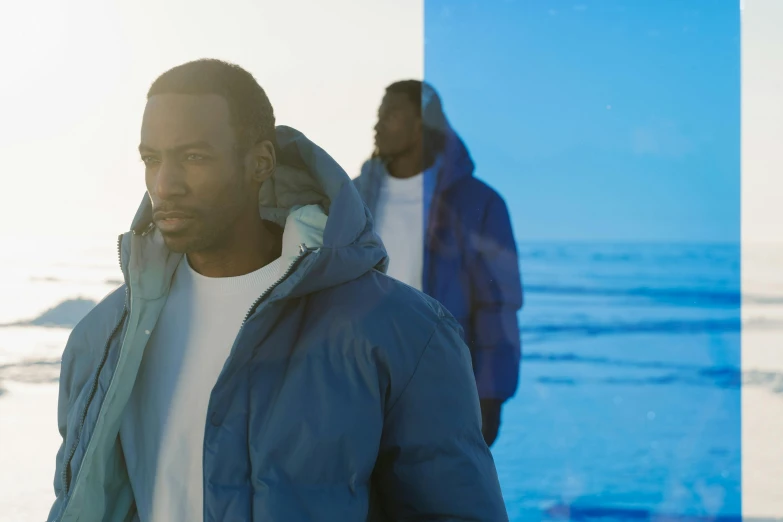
x=612 y=129
x=430 y=182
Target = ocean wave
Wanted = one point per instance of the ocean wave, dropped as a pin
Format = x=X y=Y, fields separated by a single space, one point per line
x=725 y=376
x=539 y=333
x=54 y=279
x=569 y=357
x=45 y=279
x=41 y=371
x=66 y=314
x=683 y=296
x=617 y=513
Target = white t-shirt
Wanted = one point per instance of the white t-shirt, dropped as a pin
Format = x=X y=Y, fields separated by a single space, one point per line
x=164 y=423
x=399 y=218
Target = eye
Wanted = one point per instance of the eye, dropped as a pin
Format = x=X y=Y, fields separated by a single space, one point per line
x=149 y=160
x=195 y=157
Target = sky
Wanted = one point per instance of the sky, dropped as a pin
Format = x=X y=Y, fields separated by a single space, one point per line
x=597 y=121
x=76 y=75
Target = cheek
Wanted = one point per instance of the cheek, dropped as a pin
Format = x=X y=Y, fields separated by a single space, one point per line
x=206 y=180
x=150 y=186
x=149 y=179
x=220 y=190
x=393 y=128
x=393 y=135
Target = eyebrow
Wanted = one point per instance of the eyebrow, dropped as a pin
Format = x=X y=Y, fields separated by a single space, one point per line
x=179 y=148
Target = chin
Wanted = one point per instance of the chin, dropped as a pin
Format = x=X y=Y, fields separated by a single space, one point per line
x=180 y=243
x=191 y=240
x=175 y=245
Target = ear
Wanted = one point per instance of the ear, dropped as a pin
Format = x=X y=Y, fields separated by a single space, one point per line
x=418 y=130
x=262 y=161
x=418 y=124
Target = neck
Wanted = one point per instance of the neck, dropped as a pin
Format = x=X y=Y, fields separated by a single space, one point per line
x=248 y=246
x=408 y=164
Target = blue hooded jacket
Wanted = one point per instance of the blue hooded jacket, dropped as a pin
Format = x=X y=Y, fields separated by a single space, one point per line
x=470 y=256
x=346 y=396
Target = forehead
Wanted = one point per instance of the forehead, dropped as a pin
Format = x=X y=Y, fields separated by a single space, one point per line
x=172 y=120
x=397 y=101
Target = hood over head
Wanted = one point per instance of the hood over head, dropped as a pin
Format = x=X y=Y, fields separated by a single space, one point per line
x=453 y=163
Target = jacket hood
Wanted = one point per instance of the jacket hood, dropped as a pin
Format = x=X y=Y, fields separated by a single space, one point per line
x=454 y=162
x=310 y=195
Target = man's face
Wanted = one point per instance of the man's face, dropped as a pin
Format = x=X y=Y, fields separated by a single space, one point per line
x=194 y=175
x=399 y=126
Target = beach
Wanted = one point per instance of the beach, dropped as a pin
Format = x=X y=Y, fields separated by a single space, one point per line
x=646 y=390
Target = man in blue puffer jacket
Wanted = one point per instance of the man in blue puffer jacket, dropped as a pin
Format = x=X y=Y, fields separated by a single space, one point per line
x=447 y=233
x=257 y=365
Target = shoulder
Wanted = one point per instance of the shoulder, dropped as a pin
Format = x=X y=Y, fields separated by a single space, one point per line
x=385 y=314
x=105 y=314
x=367 y=166
x=370 y=171
x=474 y=205
x=364 y=172
x=377 y=298
x=87 y=339
x=387 y=324
x=477 y=190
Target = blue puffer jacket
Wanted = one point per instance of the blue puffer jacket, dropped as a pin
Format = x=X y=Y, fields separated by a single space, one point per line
x=470 y=261
x=347 y=396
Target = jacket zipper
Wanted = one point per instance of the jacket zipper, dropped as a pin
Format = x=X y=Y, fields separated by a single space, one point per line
x=66 y=476
x=303 y=251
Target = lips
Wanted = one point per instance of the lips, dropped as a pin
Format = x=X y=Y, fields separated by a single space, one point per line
x=173 y=221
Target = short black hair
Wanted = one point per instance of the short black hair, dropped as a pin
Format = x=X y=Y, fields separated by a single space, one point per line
x=251 y=112
x=433 y=137
x=410 y=88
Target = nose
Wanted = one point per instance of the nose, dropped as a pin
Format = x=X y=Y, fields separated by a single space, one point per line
x=169 y=180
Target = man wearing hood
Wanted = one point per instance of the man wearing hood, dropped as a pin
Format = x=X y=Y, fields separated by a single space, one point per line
x=257 y=364
x=447 y=234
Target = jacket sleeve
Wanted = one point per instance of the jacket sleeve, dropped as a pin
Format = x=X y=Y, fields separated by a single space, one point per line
x=496 y=300
x=63 y=405
x=433 y=463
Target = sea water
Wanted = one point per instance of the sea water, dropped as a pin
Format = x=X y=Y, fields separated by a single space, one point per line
x=630 y=398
